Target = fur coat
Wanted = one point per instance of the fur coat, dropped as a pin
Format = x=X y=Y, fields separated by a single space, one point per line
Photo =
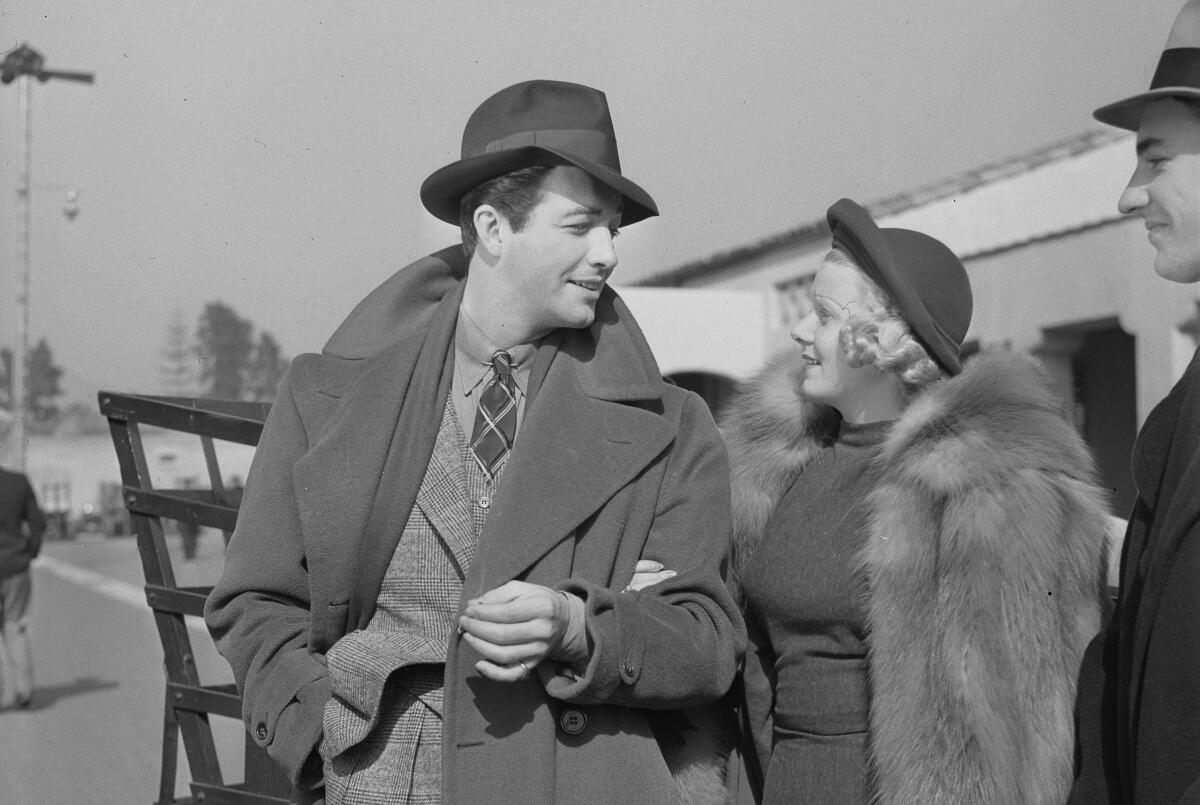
x=984 y=566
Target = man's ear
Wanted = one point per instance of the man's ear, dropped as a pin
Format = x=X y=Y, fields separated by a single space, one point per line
x=490 y=229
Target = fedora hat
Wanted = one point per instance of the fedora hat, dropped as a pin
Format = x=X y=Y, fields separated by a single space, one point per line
x=923 y=278
x=536 y=123
x=1177 y=76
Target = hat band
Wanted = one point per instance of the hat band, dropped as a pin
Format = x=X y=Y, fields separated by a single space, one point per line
x=1178 y=67
x=587 y=143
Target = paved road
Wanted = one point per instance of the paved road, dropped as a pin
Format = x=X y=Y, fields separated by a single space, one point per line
x=94 y=733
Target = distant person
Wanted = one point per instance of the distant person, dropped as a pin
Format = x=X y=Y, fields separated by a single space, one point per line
x=919 y=546
x=1139 y=707
x=425 y=596
x=189 y=530
x=21 y=527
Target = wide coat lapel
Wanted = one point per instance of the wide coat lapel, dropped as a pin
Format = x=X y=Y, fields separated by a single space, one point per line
x=593 y=424
x=358 y=482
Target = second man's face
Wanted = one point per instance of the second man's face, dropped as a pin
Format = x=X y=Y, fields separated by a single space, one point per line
x=1164 y=190
x=559 y=262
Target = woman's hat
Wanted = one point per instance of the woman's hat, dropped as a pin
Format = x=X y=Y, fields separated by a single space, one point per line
x=1177 y=76
x=920 y=274
x=536 y=123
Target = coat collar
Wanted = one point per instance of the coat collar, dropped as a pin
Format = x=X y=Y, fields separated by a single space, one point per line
x=594 y=421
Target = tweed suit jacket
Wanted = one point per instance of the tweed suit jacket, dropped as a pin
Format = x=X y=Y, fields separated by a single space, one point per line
x=409 y=631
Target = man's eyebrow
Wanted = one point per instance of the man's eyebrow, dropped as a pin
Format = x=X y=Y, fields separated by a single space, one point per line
x=1145 y=145
x=594 y=212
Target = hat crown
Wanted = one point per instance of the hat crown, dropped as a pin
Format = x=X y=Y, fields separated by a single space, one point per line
x=1177 y=74
x=550 y=113
x=937 y=276
x=1185 y=33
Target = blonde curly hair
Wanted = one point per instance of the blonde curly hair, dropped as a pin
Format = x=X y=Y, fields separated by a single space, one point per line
x=877 y=335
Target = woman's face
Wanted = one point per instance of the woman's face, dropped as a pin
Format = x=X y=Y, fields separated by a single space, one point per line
x=836 y=291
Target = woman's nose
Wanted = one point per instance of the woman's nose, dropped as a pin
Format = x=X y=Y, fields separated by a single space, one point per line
x=802 y=332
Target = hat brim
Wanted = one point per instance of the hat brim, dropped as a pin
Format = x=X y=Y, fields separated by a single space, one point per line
x=1127 y=114
x=443 y=191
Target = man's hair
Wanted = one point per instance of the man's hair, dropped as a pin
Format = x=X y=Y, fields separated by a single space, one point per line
x=514 y=195
x=876 y=334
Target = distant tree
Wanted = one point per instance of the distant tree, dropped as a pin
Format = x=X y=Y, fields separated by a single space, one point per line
x=177 y=363
x=43 y=390
x=224 y=346
x=267 y=366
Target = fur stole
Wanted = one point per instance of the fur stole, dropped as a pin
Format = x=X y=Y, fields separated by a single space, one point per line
x=984 y=566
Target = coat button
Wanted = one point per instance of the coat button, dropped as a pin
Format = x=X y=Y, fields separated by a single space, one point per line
x=629 y=669
x=572 y=722
x=484 y=501
x=261 y=731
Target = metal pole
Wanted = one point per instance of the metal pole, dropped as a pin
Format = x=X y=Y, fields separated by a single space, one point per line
x=24 y=207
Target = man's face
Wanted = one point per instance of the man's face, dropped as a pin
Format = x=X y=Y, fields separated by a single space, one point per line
x=1165 y=188
x=558 y=262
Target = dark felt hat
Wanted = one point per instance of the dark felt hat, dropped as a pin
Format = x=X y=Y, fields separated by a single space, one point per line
x=920 y=274
x=1177 y=75
x=536 y=123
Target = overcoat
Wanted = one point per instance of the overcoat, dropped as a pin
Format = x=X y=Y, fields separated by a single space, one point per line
x=1139 y=700
x=983 y=571
x=21 y=524
x=611 y=465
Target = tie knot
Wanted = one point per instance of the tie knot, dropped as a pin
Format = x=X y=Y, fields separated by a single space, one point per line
x=502 y=364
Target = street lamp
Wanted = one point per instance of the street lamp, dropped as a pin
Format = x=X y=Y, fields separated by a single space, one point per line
x=21 y=65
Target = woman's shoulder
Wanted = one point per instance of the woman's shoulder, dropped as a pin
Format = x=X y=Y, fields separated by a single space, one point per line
x=999 y=415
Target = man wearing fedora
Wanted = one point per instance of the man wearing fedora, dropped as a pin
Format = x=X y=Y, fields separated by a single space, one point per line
x=426 y=595
x=1139 y=695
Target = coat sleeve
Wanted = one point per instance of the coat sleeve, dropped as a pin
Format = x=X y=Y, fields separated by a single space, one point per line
x=258 y=612
x=1166 y=766
x=35 y=521
x=679 y=641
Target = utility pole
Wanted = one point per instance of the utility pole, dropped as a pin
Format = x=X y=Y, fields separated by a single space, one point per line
x=23 y=64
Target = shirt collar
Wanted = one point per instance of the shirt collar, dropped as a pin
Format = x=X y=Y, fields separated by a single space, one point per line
x=475 y=352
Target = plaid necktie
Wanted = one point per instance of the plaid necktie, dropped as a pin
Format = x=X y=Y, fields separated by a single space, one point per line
x=496 y=418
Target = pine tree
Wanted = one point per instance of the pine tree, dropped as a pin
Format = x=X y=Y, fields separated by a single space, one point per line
x=177 y=367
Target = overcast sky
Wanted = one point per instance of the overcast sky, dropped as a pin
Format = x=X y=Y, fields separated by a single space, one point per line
x=268 y=154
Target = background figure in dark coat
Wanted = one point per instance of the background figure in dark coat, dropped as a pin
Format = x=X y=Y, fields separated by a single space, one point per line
x=21 y=527
x=1139 y=701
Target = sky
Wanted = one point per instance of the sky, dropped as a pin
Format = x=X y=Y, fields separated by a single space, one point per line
x=268 y=154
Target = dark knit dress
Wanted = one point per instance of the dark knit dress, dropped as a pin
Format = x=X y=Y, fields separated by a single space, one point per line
x=805 y=595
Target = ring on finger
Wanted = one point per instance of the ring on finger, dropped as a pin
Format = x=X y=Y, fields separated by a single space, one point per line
x=525 y=667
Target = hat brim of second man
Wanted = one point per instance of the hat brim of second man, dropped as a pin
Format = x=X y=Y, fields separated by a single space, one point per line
x=443 y=191
x=1127 y=114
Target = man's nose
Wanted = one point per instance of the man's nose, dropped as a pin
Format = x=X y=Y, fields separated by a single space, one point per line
x=602 y=252
x=1134 y=196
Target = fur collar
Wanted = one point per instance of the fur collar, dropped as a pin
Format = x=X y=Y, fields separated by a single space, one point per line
x=966 y=427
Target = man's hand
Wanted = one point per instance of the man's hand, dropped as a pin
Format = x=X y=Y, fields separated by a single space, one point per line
x=515 y=627
x=646 y=573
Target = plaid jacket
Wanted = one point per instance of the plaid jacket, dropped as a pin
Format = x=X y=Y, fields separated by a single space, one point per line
x=383 y=725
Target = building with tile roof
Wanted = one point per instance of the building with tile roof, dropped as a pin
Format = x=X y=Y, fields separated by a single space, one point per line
x=1057 y=271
